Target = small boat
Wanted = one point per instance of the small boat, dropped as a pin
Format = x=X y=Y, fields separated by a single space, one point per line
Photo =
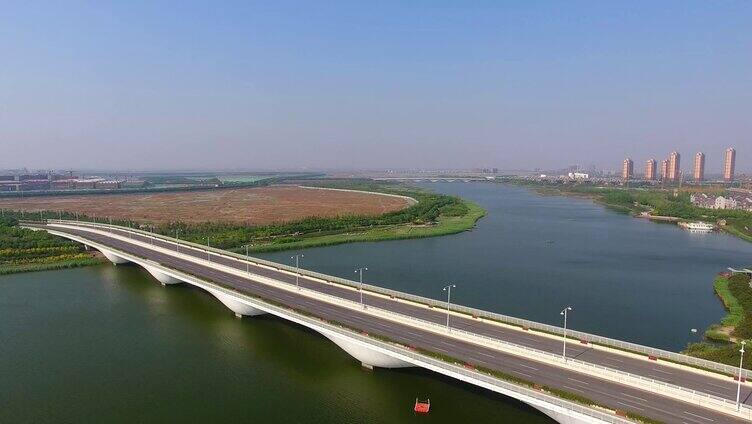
x=422 y=407
x=697 y=226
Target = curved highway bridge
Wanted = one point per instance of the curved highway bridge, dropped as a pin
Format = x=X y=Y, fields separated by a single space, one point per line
x=599 y=380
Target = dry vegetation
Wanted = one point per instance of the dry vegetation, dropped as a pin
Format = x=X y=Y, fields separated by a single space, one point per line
x=256 y=206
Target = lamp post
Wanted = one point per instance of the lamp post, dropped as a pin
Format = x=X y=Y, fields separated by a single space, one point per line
x=247 y=263
x=360 y=289
x=177 y=240
x=739 y=385
x=297 y=268
x=448 y=289
x=208 y=253
x=564 y=351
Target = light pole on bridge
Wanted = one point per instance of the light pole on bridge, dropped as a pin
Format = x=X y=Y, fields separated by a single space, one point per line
x=208 y=253
x=564 y=351
x=177 y=240
x=247 y=263
x=739 y=377
x=448 y=288
x=297 y=268
x=360 y=289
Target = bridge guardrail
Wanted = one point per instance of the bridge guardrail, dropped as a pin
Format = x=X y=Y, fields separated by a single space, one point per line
x=473 y=312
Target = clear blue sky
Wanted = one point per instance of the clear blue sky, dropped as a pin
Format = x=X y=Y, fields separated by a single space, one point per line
x=277 y=84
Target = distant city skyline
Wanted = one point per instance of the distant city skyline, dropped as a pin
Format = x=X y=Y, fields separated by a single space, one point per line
x=341 y=85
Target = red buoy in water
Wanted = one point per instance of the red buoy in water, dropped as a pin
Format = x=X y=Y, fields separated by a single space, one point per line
x=422 y=407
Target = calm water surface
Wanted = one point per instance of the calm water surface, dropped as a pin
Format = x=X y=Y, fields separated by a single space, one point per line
x=108 y=344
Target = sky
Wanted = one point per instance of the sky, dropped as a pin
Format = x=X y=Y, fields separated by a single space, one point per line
x=157 y=85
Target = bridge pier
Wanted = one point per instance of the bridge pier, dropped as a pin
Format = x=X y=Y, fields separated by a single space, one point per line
x=240 y=309
x=115 y=259
x=163 y=278
x=368 y=358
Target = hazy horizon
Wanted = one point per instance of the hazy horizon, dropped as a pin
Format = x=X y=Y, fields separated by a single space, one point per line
x=341 y=85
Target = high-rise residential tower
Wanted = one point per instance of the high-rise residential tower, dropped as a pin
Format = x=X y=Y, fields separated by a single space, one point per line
x=729 y=162
x=674 y=166
x=699 y=169
x=650 y=170
x=664 y=169
x=627 y=169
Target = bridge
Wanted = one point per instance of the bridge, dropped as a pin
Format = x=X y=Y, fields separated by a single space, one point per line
x=598 y=380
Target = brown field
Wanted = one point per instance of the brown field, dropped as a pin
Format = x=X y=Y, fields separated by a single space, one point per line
x=255 y=206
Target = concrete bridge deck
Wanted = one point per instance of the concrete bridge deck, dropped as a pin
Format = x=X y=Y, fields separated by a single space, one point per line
x=251 y=278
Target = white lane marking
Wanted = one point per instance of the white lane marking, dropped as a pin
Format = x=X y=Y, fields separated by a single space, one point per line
x=634 y=397
x=699 y=416
x=522 y=374
x=528 y=366
x=579 y=381
x=717 y=385
x=628 y=405
x=486 y=354
x=665 y=372
x=573 y=388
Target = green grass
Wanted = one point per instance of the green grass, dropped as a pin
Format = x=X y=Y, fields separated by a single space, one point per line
x=444 y=225
x=735 y=310
x=23 y=250
x=50 y=265
x=736 y=296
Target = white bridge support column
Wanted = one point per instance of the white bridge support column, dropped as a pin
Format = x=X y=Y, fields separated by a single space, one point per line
x=115 y=259
x=368 y=358
x=240 y=309
x=161 y=276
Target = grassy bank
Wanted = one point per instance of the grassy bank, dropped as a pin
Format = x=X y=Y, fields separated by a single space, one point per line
x=736 y=296
x=434 y=215
x=23 y=250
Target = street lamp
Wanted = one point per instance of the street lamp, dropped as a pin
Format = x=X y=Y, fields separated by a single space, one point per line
x=360 y=271
x=208 y=253
x=297 y=268
x=448 y=289
x=177 y=240
x=247 y=262
x=739 y=386
x=564 y=312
